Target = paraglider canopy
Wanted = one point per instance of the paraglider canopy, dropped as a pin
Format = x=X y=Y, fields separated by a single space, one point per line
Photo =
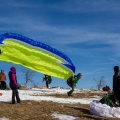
x=35 y=55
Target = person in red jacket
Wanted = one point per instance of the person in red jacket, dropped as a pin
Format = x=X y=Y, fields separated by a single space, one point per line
x=13 y=85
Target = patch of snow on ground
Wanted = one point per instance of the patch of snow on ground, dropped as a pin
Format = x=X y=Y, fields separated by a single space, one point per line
x=38 y=95
x=63 y=116
x=4 y=118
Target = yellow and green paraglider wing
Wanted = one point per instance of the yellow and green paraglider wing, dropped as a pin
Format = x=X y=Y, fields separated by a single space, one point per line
x=35 y=55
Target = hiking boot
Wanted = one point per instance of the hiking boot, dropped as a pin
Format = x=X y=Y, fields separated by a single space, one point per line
x=13 y=102
x=69 y=94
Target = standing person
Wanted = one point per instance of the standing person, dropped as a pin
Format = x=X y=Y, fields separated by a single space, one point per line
x=72 y=81
x=48 y=80
x=3 y=80
x=13 y=84
x=116 y=84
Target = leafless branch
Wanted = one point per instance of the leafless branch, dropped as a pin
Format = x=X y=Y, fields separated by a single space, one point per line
x=29 y=74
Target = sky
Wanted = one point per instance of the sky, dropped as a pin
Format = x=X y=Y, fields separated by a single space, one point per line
x=87 y=31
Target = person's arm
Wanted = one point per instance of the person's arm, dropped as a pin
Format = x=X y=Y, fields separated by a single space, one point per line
x=14 y=79
x=44 y=78
x=75 y=80
x=5 y=76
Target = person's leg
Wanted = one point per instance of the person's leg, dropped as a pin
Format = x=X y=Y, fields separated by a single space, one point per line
x=71 y=91
x=113 y=98
x=47 y=84
x=69 y=83
x=13 y=96
x=17 y=97
x=2 y=85
x=116 y=99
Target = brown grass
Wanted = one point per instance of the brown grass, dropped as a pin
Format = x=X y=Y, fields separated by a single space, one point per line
x=32 y=110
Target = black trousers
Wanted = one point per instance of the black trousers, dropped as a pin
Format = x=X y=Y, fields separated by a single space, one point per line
x=117 y=97
x=47 y=84
x=3 y=85
x=71 y=91
x=15 y=96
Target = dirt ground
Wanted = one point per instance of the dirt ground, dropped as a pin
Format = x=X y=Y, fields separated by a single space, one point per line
x=32 y=110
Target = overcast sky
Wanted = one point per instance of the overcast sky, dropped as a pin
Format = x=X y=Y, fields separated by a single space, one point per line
x=87 y=31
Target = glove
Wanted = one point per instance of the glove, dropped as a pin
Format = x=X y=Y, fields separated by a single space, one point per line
x=18 y=86
x=15 y=87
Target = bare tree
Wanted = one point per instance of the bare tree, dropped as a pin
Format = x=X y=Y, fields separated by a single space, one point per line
x=29 y=74
x=100 y=82
x=35 y=84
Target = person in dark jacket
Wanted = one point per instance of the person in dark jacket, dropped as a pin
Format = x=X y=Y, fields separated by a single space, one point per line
x=48 y=80
x=72 y=81
x=116 y=84
x=13 y=85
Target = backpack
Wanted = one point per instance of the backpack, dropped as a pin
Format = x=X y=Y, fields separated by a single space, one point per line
x=69 y=81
